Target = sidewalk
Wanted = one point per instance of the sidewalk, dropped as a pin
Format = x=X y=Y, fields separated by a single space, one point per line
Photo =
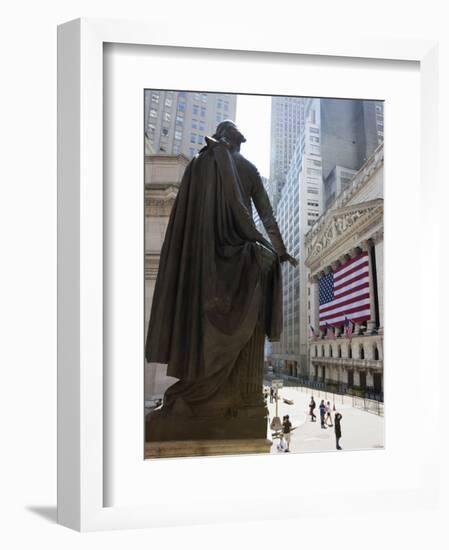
x=360 y=429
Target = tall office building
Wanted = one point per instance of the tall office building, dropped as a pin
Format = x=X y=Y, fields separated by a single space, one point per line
x=299 y=206
x=177 y=122
x=351 y=131
x=287 y=118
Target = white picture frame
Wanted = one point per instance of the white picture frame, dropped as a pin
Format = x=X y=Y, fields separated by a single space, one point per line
x=81 y=399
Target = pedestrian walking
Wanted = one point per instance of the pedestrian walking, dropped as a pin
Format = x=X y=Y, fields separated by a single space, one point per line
x=312 y=406
x=322 y=408
x=337 y=421
x=328 y=414
x=286 y=431
x=271 y=395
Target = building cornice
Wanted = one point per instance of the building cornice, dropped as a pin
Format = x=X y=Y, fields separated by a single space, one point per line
x=342 y=229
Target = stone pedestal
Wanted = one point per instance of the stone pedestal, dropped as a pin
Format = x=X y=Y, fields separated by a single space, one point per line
x=205 y=447
x=237 y=411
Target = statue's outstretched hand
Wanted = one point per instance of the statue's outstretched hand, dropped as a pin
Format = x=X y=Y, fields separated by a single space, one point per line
x=288 y=258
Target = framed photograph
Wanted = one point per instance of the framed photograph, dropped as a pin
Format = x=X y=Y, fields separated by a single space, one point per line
x=235 y=234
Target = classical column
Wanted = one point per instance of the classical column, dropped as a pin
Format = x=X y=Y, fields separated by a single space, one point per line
x=379 y=253
x=371 y=324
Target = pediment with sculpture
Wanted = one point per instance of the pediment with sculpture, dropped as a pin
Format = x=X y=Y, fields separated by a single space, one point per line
x=339 y=225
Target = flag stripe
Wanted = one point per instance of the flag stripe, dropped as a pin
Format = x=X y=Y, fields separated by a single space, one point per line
x=351 y=275
x=352 y=287
x=346 y=306
x=357 y=306
x=346 y=265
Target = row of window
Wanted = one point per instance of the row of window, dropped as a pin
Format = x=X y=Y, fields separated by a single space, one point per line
x=349 y=355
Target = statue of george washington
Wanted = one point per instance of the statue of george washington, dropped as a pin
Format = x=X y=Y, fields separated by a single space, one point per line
x=218 y=294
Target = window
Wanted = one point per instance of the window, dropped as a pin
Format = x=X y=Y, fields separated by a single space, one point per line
x=181 y=107
x=151 y=128
x=153 y=113
x=176 y=150
x=164 y=132
x=200 y=139
x=196 y=109
x=168 y=102
x=196 y=96
x=204 y=98
x=313 y=172
x=314 y=131
x=312 y=190
x=194 y=124
x=167 y=117
x=339 y=351
x=192 y=138
x=201 y=127
x=179 y=120
x=310 y=222
x=155 y=98
x=219 y=104
x=218 y=118
x=314 y=139
x=313 y=162
x=192 y=152
x=178 y=134
x=361 y=352
x=203 y=111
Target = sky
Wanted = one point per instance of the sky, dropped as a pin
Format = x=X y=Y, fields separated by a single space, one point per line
x=253 y=117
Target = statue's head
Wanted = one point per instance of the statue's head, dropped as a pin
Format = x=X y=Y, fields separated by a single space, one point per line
x=227 y=129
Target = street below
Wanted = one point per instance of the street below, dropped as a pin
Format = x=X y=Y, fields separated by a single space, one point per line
x=360 y=429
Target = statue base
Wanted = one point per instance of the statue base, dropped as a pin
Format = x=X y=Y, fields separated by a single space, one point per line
x=231 y=424
x=204 y=447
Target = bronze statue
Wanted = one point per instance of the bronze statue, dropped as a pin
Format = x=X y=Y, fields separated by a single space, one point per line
x=218 y=293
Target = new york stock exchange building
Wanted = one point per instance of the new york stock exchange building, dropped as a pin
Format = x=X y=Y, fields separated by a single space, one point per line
x=344 y=259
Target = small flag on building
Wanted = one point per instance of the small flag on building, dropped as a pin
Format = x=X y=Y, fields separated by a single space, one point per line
x=313 y=334
x=330 y=332
x=349 y=328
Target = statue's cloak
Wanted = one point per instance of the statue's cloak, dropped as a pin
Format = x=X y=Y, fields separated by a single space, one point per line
x=209 y=292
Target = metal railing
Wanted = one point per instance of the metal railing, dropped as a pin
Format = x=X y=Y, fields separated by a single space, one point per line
x=369 y=405
x=328 y=387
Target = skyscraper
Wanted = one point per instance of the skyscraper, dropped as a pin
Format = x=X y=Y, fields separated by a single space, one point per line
x=351 y=130
x=299 y=206
x=177 y=122
x=287 y=118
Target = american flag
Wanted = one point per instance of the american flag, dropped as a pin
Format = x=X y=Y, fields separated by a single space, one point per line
x=349 y=327
x=345 y=293
x=330 y=332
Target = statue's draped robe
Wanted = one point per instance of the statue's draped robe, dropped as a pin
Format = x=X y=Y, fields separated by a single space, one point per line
x=208 y=291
